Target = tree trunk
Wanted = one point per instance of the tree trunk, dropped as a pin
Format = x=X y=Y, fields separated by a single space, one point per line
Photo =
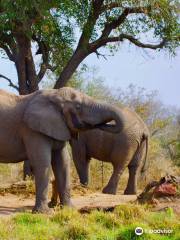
x=27 y=77
x=78 y=56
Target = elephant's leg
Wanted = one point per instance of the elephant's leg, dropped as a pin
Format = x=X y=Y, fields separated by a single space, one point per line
x=111 y=187
x=42 y=174
x=133 y=168
x=27 y=170
x=80 y=161
x=38 y=150
x=54 y=197
x=60 y=166
x=132 y=180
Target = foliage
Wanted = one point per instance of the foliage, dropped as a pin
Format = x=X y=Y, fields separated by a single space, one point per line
x=10 y=172
x=69 y=224
x=38 y=21
x=66 y=32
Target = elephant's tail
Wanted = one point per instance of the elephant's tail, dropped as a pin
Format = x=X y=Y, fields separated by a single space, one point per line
x=145 y=163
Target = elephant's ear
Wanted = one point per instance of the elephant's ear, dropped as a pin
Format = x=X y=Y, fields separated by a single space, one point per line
x=41 y=115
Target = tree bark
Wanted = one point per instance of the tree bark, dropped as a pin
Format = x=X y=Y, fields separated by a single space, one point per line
x=78 y=56
x=27 y=77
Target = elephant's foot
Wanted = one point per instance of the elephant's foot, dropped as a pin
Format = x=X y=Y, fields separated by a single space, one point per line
x=66 y=203
x=53 y=203
x=109 y=190
x=42 y=209
x=65 y=199
x=130 y=192
x=84 y=185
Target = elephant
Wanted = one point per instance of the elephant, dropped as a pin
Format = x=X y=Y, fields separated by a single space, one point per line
x=128 y=148
x=37 y=126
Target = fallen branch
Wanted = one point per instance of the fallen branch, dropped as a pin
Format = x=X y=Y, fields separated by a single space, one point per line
x=166 y=186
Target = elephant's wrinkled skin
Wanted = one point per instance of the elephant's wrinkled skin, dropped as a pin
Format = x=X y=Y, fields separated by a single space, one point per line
x=125 y=149
x=36 y=127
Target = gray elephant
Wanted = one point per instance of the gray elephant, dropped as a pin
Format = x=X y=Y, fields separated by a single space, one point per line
x=125 y=149
x=37 y=126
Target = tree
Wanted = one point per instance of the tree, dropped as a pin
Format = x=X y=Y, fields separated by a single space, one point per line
x=171 y=139
x=103 y=23
x=28 y=25
x=52 y=26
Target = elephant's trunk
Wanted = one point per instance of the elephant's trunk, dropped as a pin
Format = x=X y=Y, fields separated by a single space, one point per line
x=110 y=113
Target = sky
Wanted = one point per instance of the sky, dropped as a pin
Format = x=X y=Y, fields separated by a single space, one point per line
x=130 y=65
x=145 y=68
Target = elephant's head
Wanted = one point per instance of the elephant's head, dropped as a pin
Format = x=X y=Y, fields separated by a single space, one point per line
x=64 y=112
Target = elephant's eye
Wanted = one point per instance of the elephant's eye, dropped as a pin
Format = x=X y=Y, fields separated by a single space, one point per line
x=78 y=106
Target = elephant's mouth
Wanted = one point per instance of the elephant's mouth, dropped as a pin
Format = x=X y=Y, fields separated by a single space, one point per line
x=109 y=126
x=106 y=126
x=83 y=125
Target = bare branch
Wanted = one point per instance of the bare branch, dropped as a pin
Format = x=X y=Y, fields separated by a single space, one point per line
x=11 y=84
x=42 y=71
x=137 y=42
x=100 y=55
x=8 y=52
x=102 y=42
x=8 y=43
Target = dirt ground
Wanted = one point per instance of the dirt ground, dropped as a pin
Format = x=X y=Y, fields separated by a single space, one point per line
x=11 y=204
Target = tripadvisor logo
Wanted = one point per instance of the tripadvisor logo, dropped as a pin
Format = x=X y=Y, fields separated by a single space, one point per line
x=139 y=231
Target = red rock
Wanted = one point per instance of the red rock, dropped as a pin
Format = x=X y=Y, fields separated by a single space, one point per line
x=165 y=189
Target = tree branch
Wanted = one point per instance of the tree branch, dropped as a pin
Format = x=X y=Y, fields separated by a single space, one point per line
x=91 y=21
x=7 y=51
x=100 y=54
x=8 y=44
x=42 y=71
x=117 y=22
x=110 y=6
x=44 y=50
x=11 y=84
x=130 y=10
x=102 y=42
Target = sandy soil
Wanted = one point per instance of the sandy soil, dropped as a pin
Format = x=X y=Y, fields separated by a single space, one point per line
x=11 y=204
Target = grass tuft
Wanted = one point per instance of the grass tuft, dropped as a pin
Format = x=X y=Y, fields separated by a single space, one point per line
x=69 y=224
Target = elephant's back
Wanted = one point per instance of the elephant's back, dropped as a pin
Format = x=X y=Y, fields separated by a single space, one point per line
x=7 y=99
x=102 y=145
x=134 y=124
